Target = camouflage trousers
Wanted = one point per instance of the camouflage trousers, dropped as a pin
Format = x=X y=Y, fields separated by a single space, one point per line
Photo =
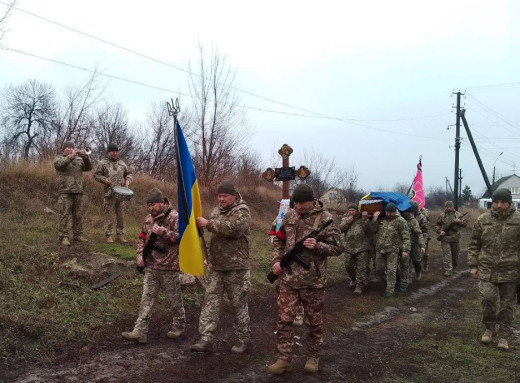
x=70 y=205
x=356 y=266
x=111 y=206
x=403 y=272
x=498 y=306
x=170 y=283
x=235 y=286
x=312 y=301
x=415 y=258
x=386 y=267
x=299 y=311
x=450 y=253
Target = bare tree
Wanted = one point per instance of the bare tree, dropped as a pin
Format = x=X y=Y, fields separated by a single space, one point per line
x=5 y=16
x=346 y=180
x=401 y=188
x=220 y=124
x=321 y=168
x=110 y=125
x=28 y=112
x=73 y=112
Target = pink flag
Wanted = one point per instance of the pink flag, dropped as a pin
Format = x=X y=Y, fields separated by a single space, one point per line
x=417 y=187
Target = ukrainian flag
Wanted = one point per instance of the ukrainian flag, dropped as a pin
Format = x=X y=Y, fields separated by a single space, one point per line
x=189 y=206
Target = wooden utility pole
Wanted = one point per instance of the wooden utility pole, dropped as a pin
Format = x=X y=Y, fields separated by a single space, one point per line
x=457 y=148
x=286 y=173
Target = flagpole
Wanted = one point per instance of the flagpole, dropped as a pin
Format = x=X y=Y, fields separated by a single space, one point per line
x=173 y=110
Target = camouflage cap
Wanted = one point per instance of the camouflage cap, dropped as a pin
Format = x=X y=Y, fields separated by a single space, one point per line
x=67 y=144
x=112 y=147
x=415 y=206
x=352 y=206
x=449 y=204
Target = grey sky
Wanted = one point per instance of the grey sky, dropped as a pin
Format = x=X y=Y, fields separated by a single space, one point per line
x=371 y=82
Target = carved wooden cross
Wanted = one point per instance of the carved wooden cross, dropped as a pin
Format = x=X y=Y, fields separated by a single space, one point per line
x=285 y=173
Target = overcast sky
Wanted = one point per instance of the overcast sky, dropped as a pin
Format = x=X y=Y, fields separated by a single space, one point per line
x=367 y=83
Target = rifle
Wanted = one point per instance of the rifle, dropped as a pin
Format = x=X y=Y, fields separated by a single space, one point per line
x=150 y=244
x=294 y=255
x=439 y=237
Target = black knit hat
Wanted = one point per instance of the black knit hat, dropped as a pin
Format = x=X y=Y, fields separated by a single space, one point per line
x=155 y=195
x=303 y=193
x=502 y=194
x=390 y=207
x=112 y=147
x=226 y=187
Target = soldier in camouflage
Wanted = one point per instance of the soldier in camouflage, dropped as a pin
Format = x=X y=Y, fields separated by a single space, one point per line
x=161 y=268
x=392 y=242
x=494 y=259
x=355 y=228
x=299 y=284
x=451 y=221
x=424 y=224
x=417 y=249
x=227 y=274
x=112 y=171
x=70 y=166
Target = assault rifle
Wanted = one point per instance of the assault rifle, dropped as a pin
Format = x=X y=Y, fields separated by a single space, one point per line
x=439 y=237
x=150 y=244
x=294 y=255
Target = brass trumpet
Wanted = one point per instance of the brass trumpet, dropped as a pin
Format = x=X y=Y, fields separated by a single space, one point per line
x=86 y=152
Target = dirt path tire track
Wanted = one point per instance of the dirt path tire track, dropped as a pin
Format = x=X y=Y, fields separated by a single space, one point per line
x=360 y=353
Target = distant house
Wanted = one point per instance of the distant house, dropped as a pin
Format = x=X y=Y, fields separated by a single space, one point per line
x=332 y=197
x=511 y=182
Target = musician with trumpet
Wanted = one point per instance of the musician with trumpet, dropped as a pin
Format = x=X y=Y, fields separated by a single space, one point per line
x=70 y=166
x=115 y=174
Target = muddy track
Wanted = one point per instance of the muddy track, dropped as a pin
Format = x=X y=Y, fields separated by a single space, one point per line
x=360 y=353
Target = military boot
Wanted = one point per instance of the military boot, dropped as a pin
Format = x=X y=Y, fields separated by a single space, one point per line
x=358 y=290
x=311 y=365
x=298 y=320
x=502 y=344
x=135 y=335
x=202 y=346
x=279 y=367
x=121 y=239
x=65 y=241
x=488 y=336
x=110 y=239
x=239 y=348
x=80 y=238
x=174 y=334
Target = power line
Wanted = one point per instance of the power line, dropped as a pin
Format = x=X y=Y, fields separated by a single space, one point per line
x=132 y=51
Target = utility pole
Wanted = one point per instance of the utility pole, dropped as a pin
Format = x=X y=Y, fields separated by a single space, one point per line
x=460 y=183
x=457 y=148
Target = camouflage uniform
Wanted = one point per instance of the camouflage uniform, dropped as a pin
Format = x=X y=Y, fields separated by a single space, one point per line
x=493 y=250
x=69 y=170
x=450 y=242
x=393 y=237
x=305 y=286
x=161 y=271
x=228 y=272
x=111 y=173
x=357 y=248
x=416 y=243
x=424 y=224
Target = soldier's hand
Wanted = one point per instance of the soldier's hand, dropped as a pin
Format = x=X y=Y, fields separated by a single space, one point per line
x=127 y=182
x=159 y=230
x=310 y=243
x=473 y=272
x=364 y=214
x=456 y=220
x=423 y=250
x=442 y=233
x=376 y=215
x=201 y=221
x=405 y=254
x=277 y=269
x=140 y=261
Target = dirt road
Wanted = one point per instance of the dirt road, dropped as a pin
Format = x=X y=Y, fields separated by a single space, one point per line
x=360 y=352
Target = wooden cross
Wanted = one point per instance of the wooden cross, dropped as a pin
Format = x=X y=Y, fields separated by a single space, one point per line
x=285 y=173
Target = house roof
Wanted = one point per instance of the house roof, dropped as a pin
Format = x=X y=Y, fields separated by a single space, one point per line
x=497 y=183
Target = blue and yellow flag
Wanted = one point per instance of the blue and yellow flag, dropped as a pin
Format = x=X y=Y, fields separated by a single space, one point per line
x=189 y=206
